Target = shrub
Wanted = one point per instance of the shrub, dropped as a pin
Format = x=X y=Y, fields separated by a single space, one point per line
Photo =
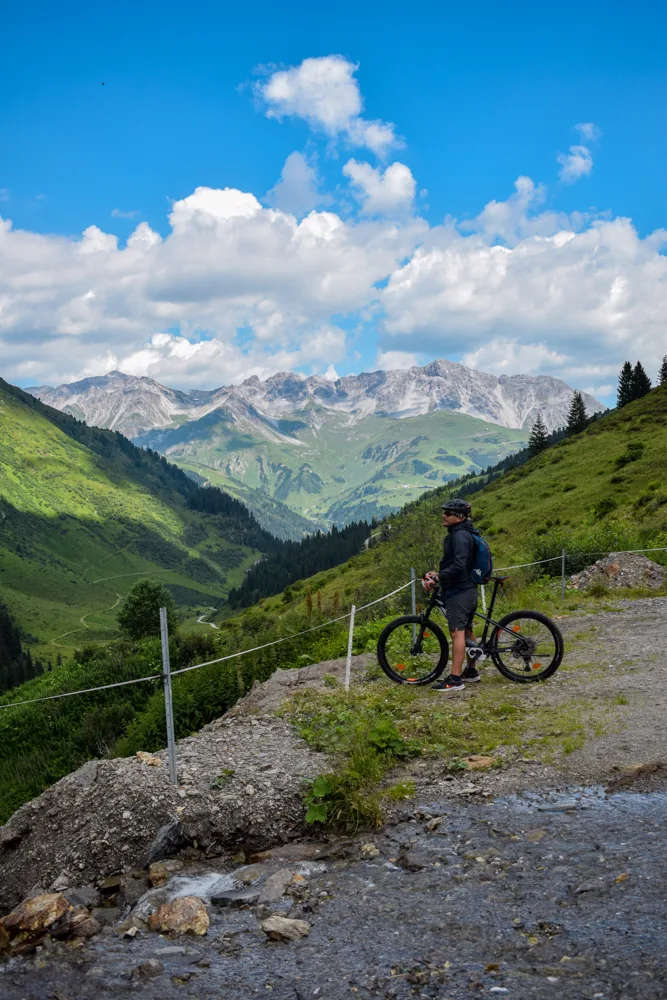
x=139 y=616
x=632 y=453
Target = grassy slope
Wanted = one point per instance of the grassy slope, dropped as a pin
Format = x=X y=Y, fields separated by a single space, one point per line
x=535 y=509
x=327 y=476
x=77 y=532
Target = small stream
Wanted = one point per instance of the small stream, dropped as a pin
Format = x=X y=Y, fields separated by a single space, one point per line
x=530 y=896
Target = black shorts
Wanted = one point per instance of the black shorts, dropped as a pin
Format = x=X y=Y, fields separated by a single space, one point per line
x=460 y=609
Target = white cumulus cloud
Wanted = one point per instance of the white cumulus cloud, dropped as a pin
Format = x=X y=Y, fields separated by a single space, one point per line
x=576 y=163
x=382 y=192
x=588 y=131
x=324 y=92
x=297 y=190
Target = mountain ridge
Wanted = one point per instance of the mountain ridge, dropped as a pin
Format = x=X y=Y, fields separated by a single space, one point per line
x=511 y=401
x=332 y=451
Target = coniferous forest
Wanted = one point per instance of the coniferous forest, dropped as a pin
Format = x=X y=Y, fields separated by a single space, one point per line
x=293 y=561
x=16 y=664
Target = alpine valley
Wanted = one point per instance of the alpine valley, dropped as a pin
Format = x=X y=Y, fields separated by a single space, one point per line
x=305 y=452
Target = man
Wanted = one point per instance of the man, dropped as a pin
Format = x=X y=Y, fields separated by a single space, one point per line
x=458 y=591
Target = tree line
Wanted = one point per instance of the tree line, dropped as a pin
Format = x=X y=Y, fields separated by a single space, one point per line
x=633 y=383
x=291 y=561
x=16 y=664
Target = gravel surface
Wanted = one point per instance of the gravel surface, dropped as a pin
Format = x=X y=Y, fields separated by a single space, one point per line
x=526 y=897
x=526 y=882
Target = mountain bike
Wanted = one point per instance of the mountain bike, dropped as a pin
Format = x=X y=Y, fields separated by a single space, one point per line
x=525 y=646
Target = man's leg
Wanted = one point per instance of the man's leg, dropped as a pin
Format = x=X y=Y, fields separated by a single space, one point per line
x=458 y=650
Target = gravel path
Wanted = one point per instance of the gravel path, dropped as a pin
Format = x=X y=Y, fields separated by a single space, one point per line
x=614 y=675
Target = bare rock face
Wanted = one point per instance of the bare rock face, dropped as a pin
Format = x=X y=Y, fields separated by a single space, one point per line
x=621 y=569
x=110 y=816
x=186 y=915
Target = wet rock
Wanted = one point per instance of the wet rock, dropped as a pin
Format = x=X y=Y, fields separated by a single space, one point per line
x=284 y=928
x=369 y=851
x=275 y=886
x=31 y=921
x=106 y=915
x=83 y=895
x=433 y=823
x=149 y=969
x=414 y=861
x=111 y=886
x=565 y=805
x=132 y=889
x=236 y=897
x=597 y=884
x=160 y=871
x=169 y=839
x=76 y=923
x=187 y=915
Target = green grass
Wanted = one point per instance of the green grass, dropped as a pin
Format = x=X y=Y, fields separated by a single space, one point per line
x=526 y=514
x=338 y=473
x=77 y=531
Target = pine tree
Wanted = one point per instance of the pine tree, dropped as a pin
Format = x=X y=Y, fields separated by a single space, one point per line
x=539 y=437
x=624 y=395
x=576 y=418
x=641 y=383
x=662 y=375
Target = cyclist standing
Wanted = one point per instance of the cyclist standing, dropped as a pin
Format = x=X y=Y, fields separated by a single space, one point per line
x=458 y=591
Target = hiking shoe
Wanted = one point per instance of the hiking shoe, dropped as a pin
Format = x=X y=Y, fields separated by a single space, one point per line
x=471 y=675
x=450 y=685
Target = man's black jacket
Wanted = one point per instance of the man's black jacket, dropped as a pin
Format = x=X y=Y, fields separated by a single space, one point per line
x=458 y=558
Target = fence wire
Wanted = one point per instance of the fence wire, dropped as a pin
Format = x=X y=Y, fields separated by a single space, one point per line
x=294 y=635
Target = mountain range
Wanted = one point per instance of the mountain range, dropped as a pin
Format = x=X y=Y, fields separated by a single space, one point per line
x=330 y=451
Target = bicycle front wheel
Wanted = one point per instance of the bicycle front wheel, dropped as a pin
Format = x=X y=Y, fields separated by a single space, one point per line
x=412 y=651
x=526 y=646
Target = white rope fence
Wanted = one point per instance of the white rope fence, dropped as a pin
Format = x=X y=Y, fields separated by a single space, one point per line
x=167 y=673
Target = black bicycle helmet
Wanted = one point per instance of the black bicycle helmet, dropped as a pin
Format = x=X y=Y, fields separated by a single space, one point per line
x=457 y=506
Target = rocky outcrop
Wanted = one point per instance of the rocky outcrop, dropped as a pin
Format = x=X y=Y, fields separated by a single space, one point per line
x=621 y=569
x=241 y=783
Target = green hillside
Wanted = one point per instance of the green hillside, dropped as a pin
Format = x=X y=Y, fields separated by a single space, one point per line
x=339 y=471
x=84 y=514
x=603 y=489
x=600 y=490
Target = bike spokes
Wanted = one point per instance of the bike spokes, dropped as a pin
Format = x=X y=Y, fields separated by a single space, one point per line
x=412 y=653
x=526 y=646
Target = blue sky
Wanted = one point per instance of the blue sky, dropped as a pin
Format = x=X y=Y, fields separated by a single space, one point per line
x=479 y=96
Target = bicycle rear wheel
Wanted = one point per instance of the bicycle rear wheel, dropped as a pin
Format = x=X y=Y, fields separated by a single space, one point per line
x=526 y=646
x=412 y=651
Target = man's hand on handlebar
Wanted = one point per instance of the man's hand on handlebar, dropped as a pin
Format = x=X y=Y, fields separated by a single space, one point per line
x=430 y=580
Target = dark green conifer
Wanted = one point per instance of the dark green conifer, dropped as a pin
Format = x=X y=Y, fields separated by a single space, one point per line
x=577 y=418
x=641 y=383
x=539 y=437
x=624 y=394
x=662 y=375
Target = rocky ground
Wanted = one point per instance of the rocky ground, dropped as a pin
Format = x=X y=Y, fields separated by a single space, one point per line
x=471 y=889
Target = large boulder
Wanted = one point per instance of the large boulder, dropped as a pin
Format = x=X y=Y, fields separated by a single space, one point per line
x=621 y=569
x=241 y=784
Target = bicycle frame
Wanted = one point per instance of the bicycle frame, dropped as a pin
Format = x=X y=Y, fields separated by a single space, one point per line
x=486 y=618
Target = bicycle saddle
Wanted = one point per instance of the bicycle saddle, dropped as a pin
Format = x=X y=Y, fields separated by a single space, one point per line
x=499 y=579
